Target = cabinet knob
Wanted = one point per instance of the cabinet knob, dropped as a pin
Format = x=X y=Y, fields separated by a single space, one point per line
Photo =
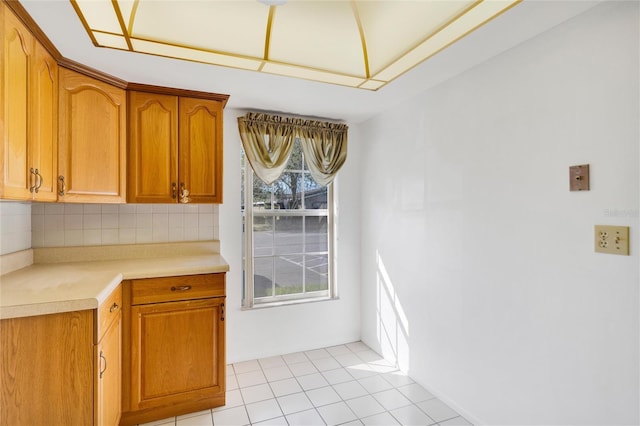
x=114 y=307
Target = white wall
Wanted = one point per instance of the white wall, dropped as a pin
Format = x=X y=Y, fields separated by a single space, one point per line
x=478 y=265
x=265 y=332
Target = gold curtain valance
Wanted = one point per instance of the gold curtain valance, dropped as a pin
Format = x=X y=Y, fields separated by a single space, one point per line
x=268 y=141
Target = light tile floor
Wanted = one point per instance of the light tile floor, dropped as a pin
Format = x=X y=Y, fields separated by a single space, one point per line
x=340 y=385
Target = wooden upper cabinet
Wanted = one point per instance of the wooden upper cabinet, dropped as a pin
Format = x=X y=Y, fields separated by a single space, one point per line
x=17 y=51
x=175 y=149
x=92 y=141
x=43 y=125
x=153 y=148
x=29 y=92
x=201 y=149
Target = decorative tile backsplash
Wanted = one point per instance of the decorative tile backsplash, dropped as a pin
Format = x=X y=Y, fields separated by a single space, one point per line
x=57 y=224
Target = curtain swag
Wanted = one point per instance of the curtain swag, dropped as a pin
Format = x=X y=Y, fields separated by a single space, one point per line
x=268 y=141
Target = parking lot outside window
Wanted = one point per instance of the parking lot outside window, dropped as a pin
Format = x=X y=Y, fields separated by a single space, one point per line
x=288 y=236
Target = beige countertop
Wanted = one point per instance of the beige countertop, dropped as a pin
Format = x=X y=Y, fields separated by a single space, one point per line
x=55 y=284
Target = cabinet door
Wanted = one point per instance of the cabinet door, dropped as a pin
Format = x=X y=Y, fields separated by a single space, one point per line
x=153 y=148
x=92 y=143
x=177 y=352
x=200 y=149
x=46 y=369
x=43 y=124
x=17 y=55
x=108 y=374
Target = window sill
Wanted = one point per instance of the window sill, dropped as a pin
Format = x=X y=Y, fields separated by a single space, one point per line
x=288 y=303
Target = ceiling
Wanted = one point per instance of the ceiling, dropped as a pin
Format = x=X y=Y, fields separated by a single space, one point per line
x=259 y=91
x=356 y=43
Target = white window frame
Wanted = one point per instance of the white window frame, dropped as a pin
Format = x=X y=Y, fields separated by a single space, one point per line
x=248 y=299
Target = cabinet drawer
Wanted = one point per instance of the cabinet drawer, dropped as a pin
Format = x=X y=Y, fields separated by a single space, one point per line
x=108 y=311
x=154 y=290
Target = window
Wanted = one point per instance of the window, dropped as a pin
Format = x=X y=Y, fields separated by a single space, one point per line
x=288 y=236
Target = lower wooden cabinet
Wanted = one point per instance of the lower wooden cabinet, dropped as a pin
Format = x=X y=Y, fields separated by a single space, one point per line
x=108 y=362
x=47 y=369
x=174 y=346
x=63 y=368
x=108 y=384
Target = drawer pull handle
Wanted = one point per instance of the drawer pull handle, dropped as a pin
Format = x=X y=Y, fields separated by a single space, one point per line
x=102 y=357
x=222 y=309
x=181 y=288
x=114 y=307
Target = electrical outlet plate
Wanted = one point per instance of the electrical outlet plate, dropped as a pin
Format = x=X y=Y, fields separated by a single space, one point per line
x=612 y=239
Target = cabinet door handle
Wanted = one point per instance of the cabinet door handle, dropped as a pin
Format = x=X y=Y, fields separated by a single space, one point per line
x=114 y=307
x=33 y=172
x=222 y=311
x=181 y=288
x=39 y=181
x=102 y=357
x=174 y=190
x=184 y=194
x=61 y=185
